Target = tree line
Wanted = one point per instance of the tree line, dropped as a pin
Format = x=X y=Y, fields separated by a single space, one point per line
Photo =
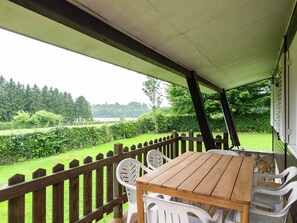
x=15 y=97
x=130 y=110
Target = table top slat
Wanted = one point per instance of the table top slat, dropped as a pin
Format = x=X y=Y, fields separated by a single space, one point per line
x=155 y=173
x=226 y=184
x=191 y=183
x=180 y=177
x=167 y=175
x=243 y=189
x=208 y=184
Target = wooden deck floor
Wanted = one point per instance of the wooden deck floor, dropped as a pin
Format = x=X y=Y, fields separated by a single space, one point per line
x=124 y=219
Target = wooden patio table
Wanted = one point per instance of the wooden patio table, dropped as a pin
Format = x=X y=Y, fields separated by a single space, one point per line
x=221 y=180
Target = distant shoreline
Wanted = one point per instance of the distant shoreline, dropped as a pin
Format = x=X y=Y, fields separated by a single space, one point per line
x=113 y=119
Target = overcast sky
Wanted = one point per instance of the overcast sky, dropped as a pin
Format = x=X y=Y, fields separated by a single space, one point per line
x=32 y=62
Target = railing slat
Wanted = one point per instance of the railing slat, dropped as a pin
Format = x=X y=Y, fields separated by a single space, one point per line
x=109 y=182
x=58 y=197
x=39 y=200
x=73 y=194
x=87 y=188
x=183 y=143
x=99 y=187
x=226 y=143
x=16 y=206
x=117 y=188
x=191 y=134
x=175 y=144
x=139 y=157
x=218 y=142
x=199 y=144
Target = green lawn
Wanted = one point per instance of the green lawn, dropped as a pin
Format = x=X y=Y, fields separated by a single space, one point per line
x=254 y=141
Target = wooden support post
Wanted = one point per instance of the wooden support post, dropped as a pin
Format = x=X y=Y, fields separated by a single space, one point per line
x=229 y=120
x=117 y=188
x=200 y=111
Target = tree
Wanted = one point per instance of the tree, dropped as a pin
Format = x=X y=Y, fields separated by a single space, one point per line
x=83 y=109
x=251 y=98
x=152 y=89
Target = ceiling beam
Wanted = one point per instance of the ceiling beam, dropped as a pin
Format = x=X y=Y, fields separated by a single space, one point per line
x=292 y=28
x=69 y=15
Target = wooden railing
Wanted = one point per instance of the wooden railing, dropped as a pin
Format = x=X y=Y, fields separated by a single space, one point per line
x=101 y=192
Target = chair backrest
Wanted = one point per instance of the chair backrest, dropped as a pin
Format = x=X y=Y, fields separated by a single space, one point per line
x=223 y=152
x=290 y=172
x=127 y=172
x=155 y=159
x=173 y=212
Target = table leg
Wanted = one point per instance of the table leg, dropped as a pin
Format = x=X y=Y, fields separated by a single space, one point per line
x=245 y=215
x=140 y=207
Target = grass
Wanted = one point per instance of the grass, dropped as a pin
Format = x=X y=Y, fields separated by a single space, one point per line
x=253 y=141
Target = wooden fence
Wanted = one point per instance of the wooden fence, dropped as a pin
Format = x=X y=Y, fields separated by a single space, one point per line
x=97 y=178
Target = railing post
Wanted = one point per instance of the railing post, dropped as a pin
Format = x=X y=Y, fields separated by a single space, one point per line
x=117 y=187
x=175 y=144
x=226 y=141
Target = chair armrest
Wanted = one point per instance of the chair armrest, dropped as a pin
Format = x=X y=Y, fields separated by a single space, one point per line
x=269 y=192
x=258 y=176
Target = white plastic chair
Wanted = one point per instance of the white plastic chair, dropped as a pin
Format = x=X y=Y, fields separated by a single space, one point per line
x=155 y=159
x=289 y=173
x=127 y=172
x=173 y=212
x=273 y=202
x=222 y=152
x=257 y=215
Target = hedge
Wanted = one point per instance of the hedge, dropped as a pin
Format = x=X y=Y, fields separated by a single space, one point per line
x=16 y=148
x=166 y=123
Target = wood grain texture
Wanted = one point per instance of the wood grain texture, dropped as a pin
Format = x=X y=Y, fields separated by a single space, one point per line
x=180 y=177
x=150 y=176
x=192 y=182
x=226 y=184
x=39 y=200
x=208 y=184
x=242 y=190
x=167 y=175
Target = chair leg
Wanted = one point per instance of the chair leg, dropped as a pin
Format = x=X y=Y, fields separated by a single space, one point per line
x=130 y=213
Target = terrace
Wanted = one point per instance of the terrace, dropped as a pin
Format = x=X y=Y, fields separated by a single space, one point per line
x=208 y=47
x=93 y=188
